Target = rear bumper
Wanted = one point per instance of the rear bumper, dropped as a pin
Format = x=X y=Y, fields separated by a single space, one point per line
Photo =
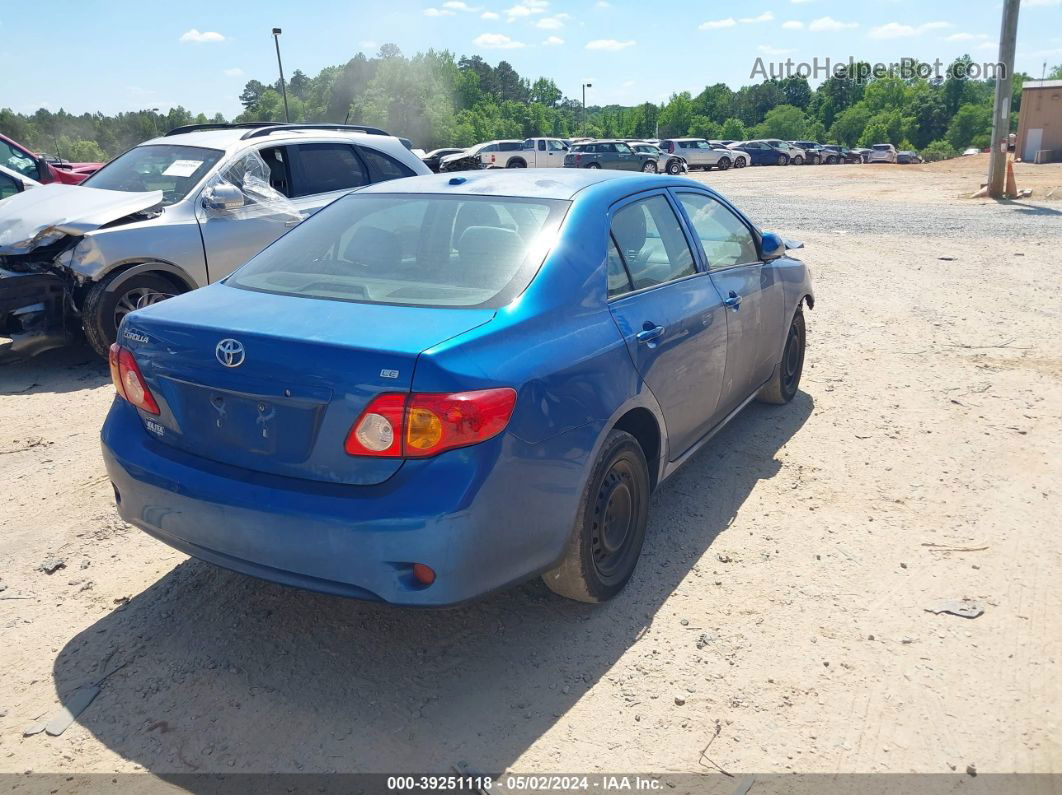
x=483 y=517
x=32 y=314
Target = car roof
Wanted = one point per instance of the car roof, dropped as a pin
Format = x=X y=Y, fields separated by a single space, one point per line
x=520 y=183
x=231 y=139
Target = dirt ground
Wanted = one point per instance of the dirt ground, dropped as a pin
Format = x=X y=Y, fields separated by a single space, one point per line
x=779 y=611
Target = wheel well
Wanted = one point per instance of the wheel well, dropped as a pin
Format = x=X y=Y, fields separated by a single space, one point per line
x=516 y=160
x=809 y=300
x=641 y=424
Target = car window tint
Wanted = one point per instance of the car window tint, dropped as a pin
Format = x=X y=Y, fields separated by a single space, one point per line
x=725 y=239
x=623 y=149
x=329 y=167
x=556 y=146
x=383 y=167
x=650 y=239
x=619 y=281
x=542 y=146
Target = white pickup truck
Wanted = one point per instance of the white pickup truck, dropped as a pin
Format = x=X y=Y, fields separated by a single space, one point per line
x=538 y=153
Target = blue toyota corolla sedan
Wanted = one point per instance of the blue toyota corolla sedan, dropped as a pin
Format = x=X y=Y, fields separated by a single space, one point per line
x=440 y=386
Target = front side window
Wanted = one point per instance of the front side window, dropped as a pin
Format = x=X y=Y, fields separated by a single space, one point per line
x=542 y=146
x=415 y=250
x=171 y=168
x=623 y=149
x=651 y=242
x=8 y=185
x=725 y=239
x=556 y=146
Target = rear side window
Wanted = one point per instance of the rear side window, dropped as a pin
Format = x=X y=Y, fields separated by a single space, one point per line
x=328 y=167
x=651 y=242
x=383 y=167
x=8 y=185
x=725 y=239
x=619 y=281
x=415 y=250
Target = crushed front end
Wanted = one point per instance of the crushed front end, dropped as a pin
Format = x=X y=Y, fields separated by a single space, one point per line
x=37 y=310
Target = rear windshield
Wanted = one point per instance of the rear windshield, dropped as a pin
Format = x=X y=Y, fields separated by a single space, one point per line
x=413 y=250
x=883 y=147
x=170 y=168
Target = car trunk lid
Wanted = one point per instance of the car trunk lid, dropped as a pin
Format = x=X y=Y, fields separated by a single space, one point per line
x=281 y=396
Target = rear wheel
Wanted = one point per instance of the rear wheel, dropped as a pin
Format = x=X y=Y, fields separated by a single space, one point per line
x=610 y=526
x=798 y=160
x=831 y=160
x=649 y=167
x=516 y=163
x=739 y=162
x=104 y=311
x=723 y=164
x=783 y=385
x=593 y=165
x=783 y=160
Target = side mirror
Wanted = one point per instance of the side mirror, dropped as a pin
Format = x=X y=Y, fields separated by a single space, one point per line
x=771 y=246
x=223 y=197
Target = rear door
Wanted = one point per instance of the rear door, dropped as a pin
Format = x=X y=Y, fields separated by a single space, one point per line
x=325 y=171
x=750 y=289
x=669 y=313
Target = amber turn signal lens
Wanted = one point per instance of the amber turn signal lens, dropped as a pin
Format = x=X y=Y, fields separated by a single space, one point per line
x=425 y=575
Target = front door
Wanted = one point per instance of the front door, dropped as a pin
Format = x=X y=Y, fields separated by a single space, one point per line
x=1033 y=141
x=233 y=236
x=669 y=314
x=750 y=289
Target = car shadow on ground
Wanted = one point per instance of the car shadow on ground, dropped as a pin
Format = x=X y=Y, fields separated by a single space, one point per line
x=1025 y=208
x=68 y=369
x=225 y=673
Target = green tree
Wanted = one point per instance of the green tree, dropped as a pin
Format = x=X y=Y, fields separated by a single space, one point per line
x=969 y=122
x=733 y=130
x=849 y=125
x=677 y=115
x=938 y=150
x=84 y=152
x=784 y=121
x=703 y=127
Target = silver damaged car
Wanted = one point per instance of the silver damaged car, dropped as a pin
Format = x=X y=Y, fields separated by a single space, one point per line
x=170 y=215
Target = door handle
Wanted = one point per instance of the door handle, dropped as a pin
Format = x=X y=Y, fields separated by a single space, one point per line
x=733 y=301
x=649 y=332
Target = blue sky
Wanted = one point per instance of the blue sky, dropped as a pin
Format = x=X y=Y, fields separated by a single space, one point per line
x=121 y=55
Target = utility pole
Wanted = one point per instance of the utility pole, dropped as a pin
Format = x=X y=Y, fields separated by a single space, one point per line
x=585 y=86
x=280 y=67
x=997 y=163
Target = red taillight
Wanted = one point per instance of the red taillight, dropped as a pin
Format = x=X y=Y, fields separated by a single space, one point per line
x=128 y=381
x=420 y=425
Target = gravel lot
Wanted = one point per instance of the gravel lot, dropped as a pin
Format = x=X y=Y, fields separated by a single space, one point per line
x=780 y=608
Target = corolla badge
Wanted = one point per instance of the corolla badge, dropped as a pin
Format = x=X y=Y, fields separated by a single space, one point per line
x=230 y=352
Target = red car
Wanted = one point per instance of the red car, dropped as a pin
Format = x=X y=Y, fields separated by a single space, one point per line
x=44 y=170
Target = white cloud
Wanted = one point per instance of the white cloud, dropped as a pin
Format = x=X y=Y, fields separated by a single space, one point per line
x=993 y=45
x=793 y=24
x=497 y=41
x=766 y=16
x=966 y=37
x=555 y=22
x=457 y=5
x=602 y=4
x=526 y=9
x=234 y=72
x=439 y=12
x=610 y=45
x=489 y=15
x=553 y=41
x=897 y=30
x=830 y=25
x=767 y=49
x=716 y=24
x=194 y=36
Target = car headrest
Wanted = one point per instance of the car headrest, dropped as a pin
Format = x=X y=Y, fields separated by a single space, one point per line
x=475 y=213
x=479 y=245
x=630 y=230
x=374 y=248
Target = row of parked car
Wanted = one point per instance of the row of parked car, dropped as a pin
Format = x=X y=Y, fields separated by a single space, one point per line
x=667 y=155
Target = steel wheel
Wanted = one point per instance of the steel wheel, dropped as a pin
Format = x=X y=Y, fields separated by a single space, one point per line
x=615 y=507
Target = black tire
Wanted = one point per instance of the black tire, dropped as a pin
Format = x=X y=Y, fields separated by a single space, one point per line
x=786 y=380
x=783 y=160
x=739 y=162
x=674 y=168
x=649 y=167
x=831 y=161
x=798 y=160
x=103 y=311
x=815 y=160
x=610 y=527
x=723 y=164
x=593 y=165
x=516 y=163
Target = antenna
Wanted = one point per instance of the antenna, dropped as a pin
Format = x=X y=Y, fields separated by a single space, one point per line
x=55 y=140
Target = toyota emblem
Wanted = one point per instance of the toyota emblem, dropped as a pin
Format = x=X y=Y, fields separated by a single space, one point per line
x=230 y=352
